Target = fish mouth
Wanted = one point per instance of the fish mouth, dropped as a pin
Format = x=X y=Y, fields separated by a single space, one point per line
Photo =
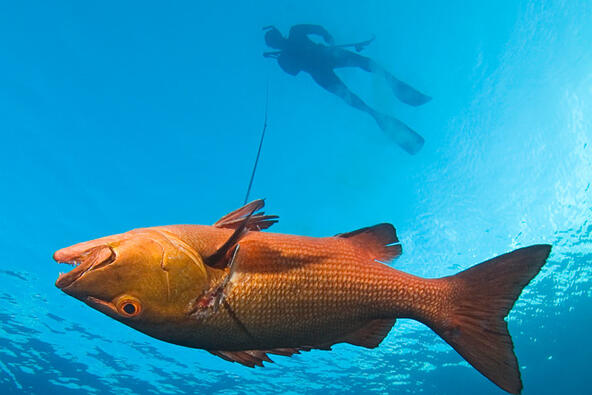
x=83 y=262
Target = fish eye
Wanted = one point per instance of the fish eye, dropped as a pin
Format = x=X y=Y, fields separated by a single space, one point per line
x=129 y=307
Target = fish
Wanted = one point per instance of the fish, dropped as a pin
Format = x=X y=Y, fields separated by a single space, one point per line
x=243 y=293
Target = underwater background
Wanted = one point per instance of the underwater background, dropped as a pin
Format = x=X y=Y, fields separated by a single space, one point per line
x=118 y=115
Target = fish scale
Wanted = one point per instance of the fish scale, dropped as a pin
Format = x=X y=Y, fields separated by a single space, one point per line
x=281 y=296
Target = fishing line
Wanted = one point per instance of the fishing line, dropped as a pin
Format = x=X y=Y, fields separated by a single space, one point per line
x=260 y=143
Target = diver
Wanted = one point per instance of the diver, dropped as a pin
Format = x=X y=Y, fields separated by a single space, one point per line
x=298 y=53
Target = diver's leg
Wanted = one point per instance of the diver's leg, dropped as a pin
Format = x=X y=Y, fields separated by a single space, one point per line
x=344 y=58
x=402 y=134
x=404 y=92
x=331 y=82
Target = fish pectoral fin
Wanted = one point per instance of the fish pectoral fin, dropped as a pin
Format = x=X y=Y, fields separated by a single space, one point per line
x=256 y=221
x=252 y=358
x=223 y=256
x=380 y=241
x=371 y=334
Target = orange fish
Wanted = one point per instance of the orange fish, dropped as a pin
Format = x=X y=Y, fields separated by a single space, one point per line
x=242 y=294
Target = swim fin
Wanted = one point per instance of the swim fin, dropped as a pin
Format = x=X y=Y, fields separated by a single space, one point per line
x=406 y=93
x=402 y=134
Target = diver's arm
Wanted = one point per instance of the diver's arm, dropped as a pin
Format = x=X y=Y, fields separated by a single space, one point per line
x=306 y=29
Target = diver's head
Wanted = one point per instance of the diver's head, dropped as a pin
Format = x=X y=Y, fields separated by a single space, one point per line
x=274 y=39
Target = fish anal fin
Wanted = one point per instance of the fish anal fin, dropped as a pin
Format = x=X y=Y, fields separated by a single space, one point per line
x=252 y=358
x=379 y=240
x=288 y=352
x=371 y=334
x=255 y=222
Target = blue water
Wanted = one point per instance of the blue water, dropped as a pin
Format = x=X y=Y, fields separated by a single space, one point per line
x=117 y=115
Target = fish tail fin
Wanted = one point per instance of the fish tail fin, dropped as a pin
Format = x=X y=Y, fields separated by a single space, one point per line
x=478 y=301
x=402 y=134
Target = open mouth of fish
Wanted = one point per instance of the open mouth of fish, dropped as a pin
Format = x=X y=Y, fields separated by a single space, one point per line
x=83 y=262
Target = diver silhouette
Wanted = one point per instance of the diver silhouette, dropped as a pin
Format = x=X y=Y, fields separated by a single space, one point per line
x=298 y=53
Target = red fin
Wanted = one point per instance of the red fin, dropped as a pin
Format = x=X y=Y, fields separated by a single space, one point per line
x=256 y=221
x=222 y=257
x=481 y=298
x=247 y=358
x=372 y=334
x=288 y=352
x=252 y=358
x=378 y=240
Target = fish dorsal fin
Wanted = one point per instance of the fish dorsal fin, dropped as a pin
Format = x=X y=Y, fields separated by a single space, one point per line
x=257 y=221
x=223 y=256
x=252 y=358
x=371 y=334
x=379 y=240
